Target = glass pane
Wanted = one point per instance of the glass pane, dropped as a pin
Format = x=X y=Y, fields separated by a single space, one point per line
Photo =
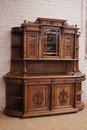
x=51 y=42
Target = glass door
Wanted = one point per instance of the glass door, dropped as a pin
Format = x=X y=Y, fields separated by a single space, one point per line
x=51 y=43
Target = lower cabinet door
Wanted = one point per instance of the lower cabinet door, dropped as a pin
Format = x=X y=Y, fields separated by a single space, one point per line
x=38 y=98
x=63 y=95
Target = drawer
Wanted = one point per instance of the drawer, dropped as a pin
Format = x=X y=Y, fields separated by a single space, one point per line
x=64 y=80
x=39 y=81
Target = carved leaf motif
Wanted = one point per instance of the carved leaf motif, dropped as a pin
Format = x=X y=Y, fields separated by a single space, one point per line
x=38 y=98
x=63 y=96
x=68 y=46
x=32 y=45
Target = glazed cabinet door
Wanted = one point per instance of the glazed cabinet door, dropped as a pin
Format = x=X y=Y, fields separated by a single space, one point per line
x=38 y=98
x=50 y=43
x=31 y=45
x=63 y=95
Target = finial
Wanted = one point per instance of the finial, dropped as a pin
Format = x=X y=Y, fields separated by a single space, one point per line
x=24 y=21
x=76 y=25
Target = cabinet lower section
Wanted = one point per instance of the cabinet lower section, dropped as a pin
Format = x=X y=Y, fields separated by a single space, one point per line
x=43 y=96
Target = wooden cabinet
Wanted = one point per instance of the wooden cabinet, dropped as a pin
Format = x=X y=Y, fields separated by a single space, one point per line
x=44 y=78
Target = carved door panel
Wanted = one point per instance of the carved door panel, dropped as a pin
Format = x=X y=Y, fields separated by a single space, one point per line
x=68 y=46
x=64 y=95
x=32 y=45
x=38 y=97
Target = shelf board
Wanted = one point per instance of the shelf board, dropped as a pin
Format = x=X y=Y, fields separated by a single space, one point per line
x=17 y=45
x=16 y=29
x=51 y=43
x=79 y=92
x=15 y=97
x=17 y=59
x=47 y=58
x=50 y=53
x=77 y=46
x=58 y=59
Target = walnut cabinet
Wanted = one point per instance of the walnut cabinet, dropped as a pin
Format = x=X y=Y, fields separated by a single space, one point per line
x=44 y=78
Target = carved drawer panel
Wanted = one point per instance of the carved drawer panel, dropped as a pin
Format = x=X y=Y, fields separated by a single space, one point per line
x=63 y=95
x=38 y=97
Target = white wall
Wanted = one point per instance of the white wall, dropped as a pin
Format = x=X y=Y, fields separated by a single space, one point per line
x=14 y=12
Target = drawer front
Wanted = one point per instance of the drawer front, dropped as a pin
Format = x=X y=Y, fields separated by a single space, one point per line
x=64 y=80
x=51 y=81
x=39 y=81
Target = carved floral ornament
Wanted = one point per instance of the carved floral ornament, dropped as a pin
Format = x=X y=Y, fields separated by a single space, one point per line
x=68 y=46
x=63 y=97
x=38 y=98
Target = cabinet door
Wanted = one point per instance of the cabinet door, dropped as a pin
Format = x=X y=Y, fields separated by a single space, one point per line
x=68 y=46
x=63 y=95
x=50 y=43
x=38 y=98
x=32 y=45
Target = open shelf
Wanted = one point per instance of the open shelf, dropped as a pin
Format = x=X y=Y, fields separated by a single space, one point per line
x=14 y=111
x=17 y=59
x=15 y=97
x=17 y=45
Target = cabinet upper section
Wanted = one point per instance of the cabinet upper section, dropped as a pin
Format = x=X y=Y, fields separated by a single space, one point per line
x=46 y=39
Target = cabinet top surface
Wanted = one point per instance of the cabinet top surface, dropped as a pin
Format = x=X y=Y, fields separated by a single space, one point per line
x=49 y=22
x=50 y=19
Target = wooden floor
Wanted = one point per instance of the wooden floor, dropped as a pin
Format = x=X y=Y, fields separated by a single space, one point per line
x=76 y=121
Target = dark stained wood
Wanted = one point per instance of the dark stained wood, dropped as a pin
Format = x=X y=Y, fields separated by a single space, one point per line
x=44 y=78
x=50 y=19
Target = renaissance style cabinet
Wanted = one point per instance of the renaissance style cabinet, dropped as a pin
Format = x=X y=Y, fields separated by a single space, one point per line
x=44 y=78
